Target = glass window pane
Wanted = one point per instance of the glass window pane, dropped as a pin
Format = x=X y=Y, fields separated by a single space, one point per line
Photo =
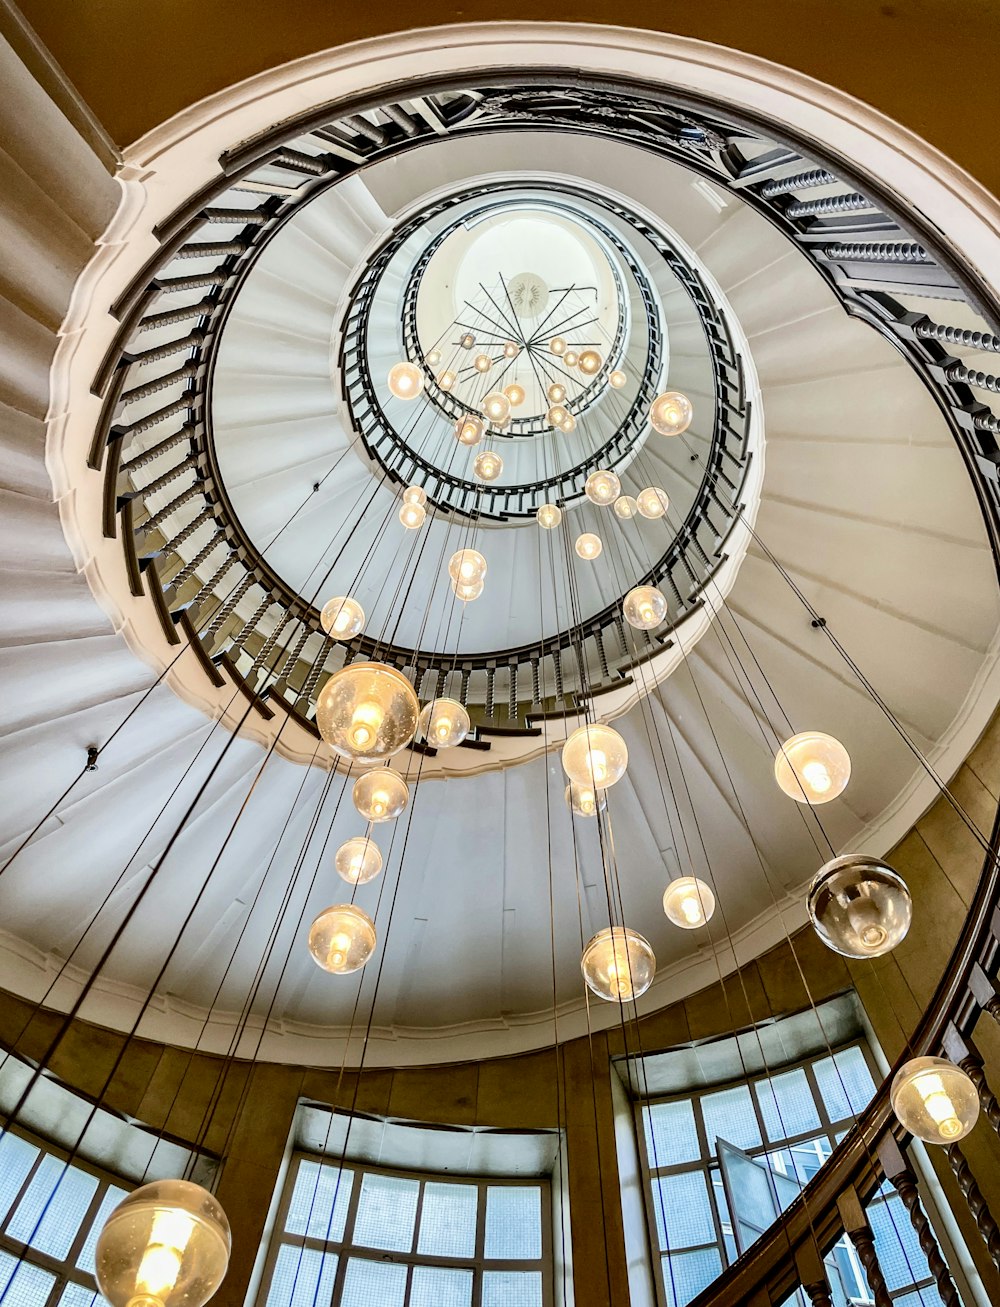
x=23 y=1285
x=438 y=1286
x=513 y=1222
x=512 y=1289
x=302 y=1277
x=369 y=1283
x=896 y=1244
x=448 y=1220
x=683 y=1201
x=730 y=1115
x=16 y=1157
x=845 y=1083
x=75 y=1295
x=111 y=1199
x=317 y=1189
x=786 y=1104
x=686 y=1274
x=50 y=1213
x=387 y=1209
x=671 y=1135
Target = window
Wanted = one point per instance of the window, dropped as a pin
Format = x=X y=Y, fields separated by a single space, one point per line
x=754 y=1144
x=357 y=1235
x=50 y=1217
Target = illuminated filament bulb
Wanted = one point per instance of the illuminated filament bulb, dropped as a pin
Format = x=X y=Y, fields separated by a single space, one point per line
x=446 y=379
x=510 y=350
x=688 y=902
x=365 y=723
x=164 y=1254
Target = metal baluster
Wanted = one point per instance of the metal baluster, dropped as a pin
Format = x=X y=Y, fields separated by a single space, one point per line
x=984 y=380
x=250 y=625
x=268 y=645
x=536 y=681
x=602 y=656
x=288 y=662
x=161 y=482
x=512 y=699
x=463 y=693
x=151 y=523
x=164 y=351
x=209 y=587
x=188 y=570
x=439 y=687
x=802 y=181
x=878 y=252
x=166 y=319
x=928 y=330
x=491 y=673
x=620 y=628
x=227 y=607
x=154 y=451
x=186 y=532
x=160 y=383
x=557 y=667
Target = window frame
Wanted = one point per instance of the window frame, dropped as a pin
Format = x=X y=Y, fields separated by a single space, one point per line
x=346 y=1249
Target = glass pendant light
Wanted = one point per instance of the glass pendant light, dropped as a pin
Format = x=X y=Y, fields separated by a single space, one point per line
x=342 y=939
x=482 y=363
x=590 y=362
x=645 y=607
x=367 y=712
x=618 y=964
x=412 y=515
x=469 y=429
x=406 y=380
x=859 y=906
x=446 y=379
x=358 y=860
x=557 y=415
x=671 y=413
x=595 y=756
x=602 y=487
x=444 y=723
x=415 y=495
x=488 y=465
x=342 y=618
x=934 y=1100
x=688 y=902
x=626 y=507
x=557 y=345
x=584 y=800
x=165 y=1245
x=467 y=341
x=380 y=795
x=588 y=546
x=812 y=767
x=496 y=406
x=433 y=358
x=515 y=394
x=652 y=502
x=466 y=566
x=568 y=423
x=467 y=592
x=548 y=516
x=510 y=350
x=571 y=358
x=556 y=393
x=617 y=379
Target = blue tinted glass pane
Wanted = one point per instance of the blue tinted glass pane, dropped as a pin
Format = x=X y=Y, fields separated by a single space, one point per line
x=671 y=1135
x=803 y=1160
x=896 y=1243
x=436 y=1286
x=786 y=1104
x=686 y=1274
x=845 y=1083
x=513 y=1221
x=111 y=1199
x=730 y=1115
x=448 y=1220
x=16 y=1157
x=50 y=1213
x=373 y=1284
x=319 y=1201
x=302 y=1277
x=927 y=1297
x=682 y=1201
x=725 y=1221
x=75 y=1295
x=386 y=1212
x=23 y=1285
x=512 y=1289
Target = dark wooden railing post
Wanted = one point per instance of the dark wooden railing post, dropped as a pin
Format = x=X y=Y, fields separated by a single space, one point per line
x=812 y=1273
x=856 y=1224
x=905 y=1183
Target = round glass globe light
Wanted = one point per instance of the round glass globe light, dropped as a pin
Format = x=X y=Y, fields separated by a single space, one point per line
x=433 y=358
x=556 y=415
x=859 y=906
x=617 y=379
x=496 y=406
x=380 y=795
x=585 y=801
x=671 y=413
x=515 y=394
x=626 y=507
x=652 y=502
x=618 y=964
x=466 y=566
x=557 y=345
x=602 y=487
x=468 y=592
x=412 y=515
x=488 y=465
x=342 y=939
x=342 y=618
x=482 y=363
x=812 y=767
x=510 y=350
x=571 y=358
x=548 y=516
x=590 y=362
x=645 y=607
x=556 y=392
x=588 y=546
x=467 y=341
x=415 y=495
x=594 y=757
x=367 y=712
x=568 y=423
x=166 y=1244
x=469 y=429
x=688 y=902
x=446 y=379
x=934 y=1100
x=406 y=380
x=444 y=723
x=358 y=860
